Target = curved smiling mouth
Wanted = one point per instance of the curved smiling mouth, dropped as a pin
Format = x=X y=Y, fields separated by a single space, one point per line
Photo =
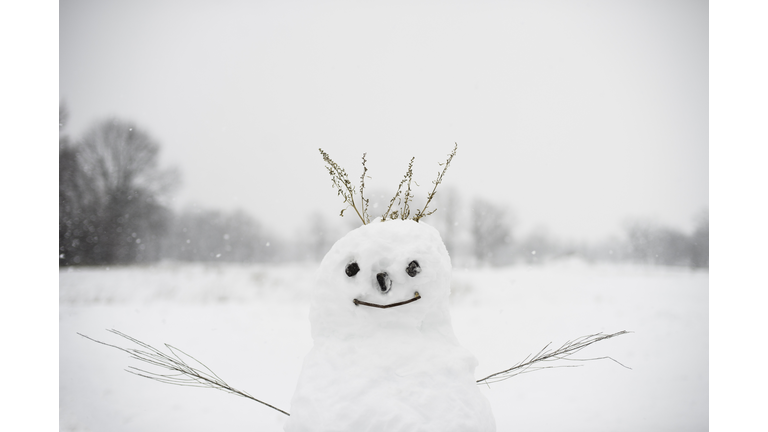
x=416 y=296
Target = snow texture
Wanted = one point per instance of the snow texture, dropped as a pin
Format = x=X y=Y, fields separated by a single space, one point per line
x=393 y=369
x=249 y=324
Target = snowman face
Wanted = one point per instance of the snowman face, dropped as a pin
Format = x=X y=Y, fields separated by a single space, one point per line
x=384 y=273
x=385 y=284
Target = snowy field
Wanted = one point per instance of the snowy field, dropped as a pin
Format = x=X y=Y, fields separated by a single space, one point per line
x=250 y=325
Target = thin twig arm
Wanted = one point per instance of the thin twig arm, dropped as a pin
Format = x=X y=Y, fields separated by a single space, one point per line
x=189 y=376
x=186 y=375
x=546 y=355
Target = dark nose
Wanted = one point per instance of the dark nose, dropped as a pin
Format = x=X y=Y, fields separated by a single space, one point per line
x=385 y=283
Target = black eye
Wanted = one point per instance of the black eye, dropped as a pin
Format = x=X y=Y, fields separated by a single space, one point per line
x=352 y=269
x=413 y=269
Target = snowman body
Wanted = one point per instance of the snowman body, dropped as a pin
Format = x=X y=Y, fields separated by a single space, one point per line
x=382 y=361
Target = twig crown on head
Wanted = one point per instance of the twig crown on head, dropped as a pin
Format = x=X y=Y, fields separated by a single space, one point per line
x=402 y=210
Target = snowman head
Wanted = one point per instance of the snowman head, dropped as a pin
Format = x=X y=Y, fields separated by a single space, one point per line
x=380 y=278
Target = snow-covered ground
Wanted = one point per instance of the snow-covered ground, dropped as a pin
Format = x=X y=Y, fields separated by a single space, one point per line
x=250 y=325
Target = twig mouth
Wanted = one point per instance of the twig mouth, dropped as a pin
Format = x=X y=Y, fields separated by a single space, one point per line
x=416 y=296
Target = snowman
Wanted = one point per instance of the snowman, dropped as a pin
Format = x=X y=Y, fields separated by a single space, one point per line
x=385 y=357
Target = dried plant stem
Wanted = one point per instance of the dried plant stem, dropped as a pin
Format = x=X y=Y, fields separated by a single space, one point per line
x=189 y=376
x=396 y=214
x=185 y=375
x=341 y=182
x=563 y=353
x=363 y=201
x=421 y=213
x=344 y=188
x=406 y=211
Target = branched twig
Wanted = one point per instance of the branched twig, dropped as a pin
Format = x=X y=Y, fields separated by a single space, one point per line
x=185 y=375
x=344 y=188
x=421 y=213
x=341 y=182
x=363 y=201
x=396 y=213
x=563 y=353
x=406 y=211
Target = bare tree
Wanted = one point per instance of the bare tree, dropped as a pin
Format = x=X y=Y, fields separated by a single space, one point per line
x=446 y=220
x=115 y=199
x=320 y=237
x=76 y=207
x=537 y=247
x=491 y=231
x=700 y=242
x=650 y=243
x=211 y=235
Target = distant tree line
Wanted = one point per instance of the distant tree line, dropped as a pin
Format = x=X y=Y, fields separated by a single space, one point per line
x=210 y=235
x=113 y=209
x=654 y=244
x=490 y=238
x=113 y=206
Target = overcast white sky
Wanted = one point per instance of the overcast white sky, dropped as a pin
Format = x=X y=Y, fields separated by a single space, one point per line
x=576 y=115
